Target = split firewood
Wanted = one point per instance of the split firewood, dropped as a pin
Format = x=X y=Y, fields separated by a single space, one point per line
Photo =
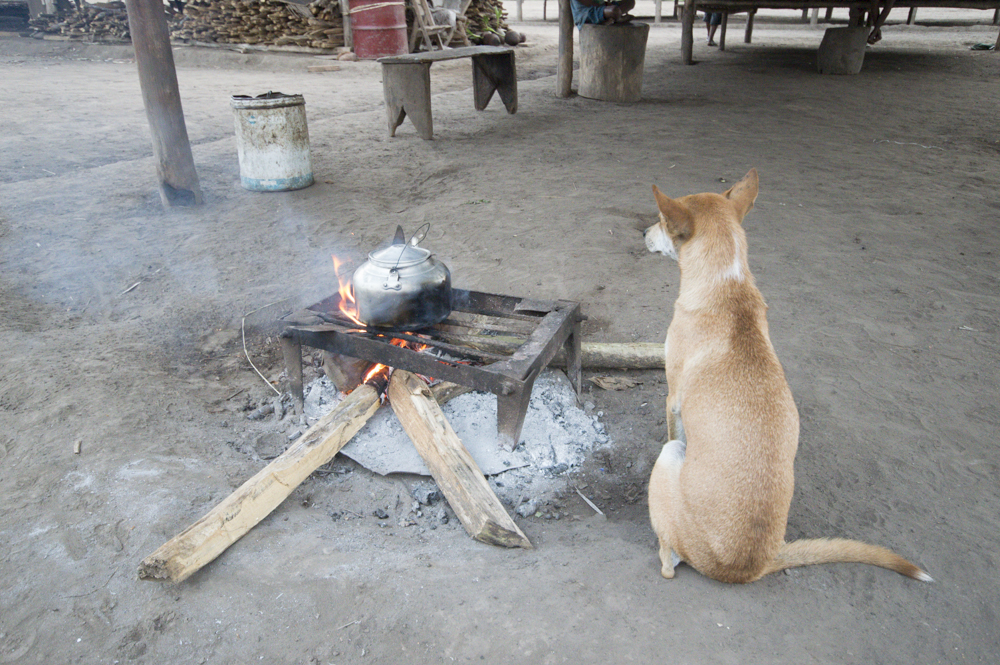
x=203 y=541
x=209 y=537
x=451 y=465
x=593 y=355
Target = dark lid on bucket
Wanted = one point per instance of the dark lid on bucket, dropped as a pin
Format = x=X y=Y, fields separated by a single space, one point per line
x=269 y=100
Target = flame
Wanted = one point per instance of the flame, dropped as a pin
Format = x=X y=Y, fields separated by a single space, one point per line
x=348 y=306
x=383 y=371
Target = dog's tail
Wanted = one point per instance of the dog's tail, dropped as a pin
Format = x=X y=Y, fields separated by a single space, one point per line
x=840 y=550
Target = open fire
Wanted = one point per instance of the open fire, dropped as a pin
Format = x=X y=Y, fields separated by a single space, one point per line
x=462 y=349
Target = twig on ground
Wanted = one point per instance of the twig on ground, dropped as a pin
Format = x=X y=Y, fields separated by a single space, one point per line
x=589 y=502
x=243 y=333
x=928 y=147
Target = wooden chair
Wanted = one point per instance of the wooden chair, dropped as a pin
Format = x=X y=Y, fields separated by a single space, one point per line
x=426 y=30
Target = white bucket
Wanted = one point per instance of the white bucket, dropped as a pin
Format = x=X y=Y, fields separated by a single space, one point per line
x=273 y=142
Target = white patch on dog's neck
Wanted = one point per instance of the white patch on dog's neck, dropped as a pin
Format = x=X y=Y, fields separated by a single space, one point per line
x=735 y=271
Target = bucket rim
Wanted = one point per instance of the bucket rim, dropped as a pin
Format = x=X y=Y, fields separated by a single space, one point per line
x=271 y=100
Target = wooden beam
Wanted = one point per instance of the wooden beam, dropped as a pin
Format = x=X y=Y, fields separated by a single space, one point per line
x=203 y=541
x=564 y=73
x=451 y=465
x=178 y=180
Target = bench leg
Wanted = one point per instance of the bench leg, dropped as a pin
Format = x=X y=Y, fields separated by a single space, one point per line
x=408 y=91
x=495 y=72
x=724 y=26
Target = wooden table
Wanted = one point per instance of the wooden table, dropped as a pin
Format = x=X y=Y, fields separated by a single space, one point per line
x=406 y=80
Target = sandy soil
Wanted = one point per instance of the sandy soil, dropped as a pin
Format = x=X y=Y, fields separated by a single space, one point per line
x=874 y=240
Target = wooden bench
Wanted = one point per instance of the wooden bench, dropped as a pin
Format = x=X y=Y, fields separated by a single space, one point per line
x=406 y=80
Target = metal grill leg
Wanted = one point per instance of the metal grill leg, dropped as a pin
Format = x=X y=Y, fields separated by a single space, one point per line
x=511 y=410
x=291 y=351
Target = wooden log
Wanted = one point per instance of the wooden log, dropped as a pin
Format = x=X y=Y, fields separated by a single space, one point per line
x=594 y=355
x=203 y=541
x=451 y=465
x=611 y=61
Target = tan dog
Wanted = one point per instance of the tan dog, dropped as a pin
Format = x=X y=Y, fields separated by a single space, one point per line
x=721 y=488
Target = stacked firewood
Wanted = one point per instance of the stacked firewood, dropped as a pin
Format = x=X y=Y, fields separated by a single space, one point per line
x=273 y=22
x=485 y=17
x=104 y=22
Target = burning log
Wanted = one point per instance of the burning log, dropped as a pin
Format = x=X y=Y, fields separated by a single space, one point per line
x=203 y=541
x=454 y=470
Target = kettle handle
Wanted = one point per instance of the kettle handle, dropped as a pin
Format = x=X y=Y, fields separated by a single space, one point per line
x=420 y=233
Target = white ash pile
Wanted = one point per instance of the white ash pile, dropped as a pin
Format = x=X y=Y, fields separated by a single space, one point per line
x=556 y=438
x=318 y=24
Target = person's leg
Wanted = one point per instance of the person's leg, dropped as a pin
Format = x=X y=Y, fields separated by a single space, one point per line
x=715 y=19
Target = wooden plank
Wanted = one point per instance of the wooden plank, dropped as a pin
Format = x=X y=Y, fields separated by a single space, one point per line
x=203 y=541
x=448 y=54
x=494 y=72
x=407 y=87
x=451 y=465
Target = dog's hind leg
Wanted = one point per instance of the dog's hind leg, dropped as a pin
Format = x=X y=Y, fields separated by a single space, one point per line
x=663 y=485
x=675 y=427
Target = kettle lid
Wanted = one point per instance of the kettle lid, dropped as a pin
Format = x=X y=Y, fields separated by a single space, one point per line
x=398 y=256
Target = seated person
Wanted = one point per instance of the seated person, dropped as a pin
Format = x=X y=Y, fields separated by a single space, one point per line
x=600 y=12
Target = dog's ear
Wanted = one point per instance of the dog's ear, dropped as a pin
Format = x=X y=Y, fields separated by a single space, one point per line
x=676 y=215
x=744 y=193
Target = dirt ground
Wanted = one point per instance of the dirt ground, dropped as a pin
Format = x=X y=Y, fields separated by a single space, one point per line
x=874 y=240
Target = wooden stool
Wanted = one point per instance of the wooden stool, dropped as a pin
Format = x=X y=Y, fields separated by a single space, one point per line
x=611 y=61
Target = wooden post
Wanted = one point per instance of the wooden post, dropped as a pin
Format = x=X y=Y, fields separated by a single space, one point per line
x=814 y=17
x=564 y=74
x=658 y=11
x=912 y=16
x=687 y=32
x=178 y=180
x=203 y=541
x=724 y=27
x=520 y=13
x=749 y=32
x=829 y=15
x=345 y=15
x=454 y=470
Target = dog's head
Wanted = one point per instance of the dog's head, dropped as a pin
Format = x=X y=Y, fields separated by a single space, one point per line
x=684 y=218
